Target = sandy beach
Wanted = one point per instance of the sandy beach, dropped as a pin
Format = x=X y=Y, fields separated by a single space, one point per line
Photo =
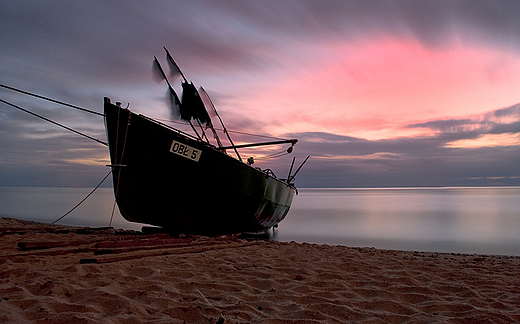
x=76 y=275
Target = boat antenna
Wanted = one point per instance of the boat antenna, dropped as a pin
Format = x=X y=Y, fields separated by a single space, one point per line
x=290 y=170
x=298 y=170
x=159 y=72
x=221 y=122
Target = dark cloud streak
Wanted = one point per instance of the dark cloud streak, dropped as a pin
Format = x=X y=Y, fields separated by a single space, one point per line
x=79 y=51
x=421 y=161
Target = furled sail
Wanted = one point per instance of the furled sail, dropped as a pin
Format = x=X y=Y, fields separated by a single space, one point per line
x=192 y=105
x=174 y=102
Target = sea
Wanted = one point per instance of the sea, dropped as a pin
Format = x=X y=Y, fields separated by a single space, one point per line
x=467 y=220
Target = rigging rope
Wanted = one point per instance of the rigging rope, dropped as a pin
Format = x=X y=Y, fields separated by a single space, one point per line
x=44 y=227
x=120 y=161
x=257 y=135
x=53 y=122
x=90 y=194
x=272 y=156
x=52 y=100
x=100 y=114
x=220 y=129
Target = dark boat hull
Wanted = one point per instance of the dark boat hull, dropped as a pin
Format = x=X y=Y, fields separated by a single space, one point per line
x=165 y=178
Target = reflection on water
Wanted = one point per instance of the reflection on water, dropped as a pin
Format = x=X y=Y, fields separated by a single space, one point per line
x=466 y=220
x=46 y=204
x=463 y=220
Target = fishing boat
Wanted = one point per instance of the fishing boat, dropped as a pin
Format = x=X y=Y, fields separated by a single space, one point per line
x=182 y=182
x=165 y=177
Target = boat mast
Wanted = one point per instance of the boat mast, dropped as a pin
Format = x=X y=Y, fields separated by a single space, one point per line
x=291 y=141
x=172 y=92
x=223 y=126
x=199 y=112
x=291 y=178
x=174 y=70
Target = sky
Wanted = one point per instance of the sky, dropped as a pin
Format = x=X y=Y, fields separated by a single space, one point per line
x=379 y=93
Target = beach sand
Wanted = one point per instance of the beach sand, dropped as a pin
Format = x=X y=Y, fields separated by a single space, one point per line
x=116 y=277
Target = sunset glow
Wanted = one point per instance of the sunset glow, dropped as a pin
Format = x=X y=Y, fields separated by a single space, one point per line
x=384 y=94
x=372 y=89
x=488 y=140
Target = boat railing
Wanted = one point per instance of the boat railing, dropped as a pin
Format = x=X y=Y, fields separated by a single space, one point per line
x=269 y=172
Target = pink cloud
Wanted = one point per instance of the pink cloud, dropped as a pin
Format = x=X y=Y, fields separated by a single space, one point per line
x=372 y=88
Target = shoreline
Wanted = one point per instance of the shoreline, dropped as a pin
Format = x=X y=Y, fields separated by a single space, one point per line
x=231 y=280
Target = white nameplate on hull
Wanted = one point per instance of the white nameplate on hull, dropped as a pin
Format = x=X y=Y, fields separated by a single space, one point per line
x=185 y=151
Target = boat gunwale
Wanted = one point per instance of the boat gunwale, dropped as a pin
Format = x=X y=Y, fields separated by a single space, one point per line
x=207 y=145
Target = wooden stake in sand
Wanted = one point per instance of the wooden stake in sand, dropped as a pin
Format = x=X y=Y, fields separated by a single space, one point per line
x=221 y=319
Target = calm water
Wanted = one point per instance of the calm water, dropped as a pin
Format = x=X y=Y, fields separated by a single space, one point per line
x=462 y=220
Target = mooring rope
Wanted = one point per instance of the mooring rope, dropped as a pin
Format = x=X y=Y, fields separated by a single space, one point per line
x=52 y=100
x=44 y=227
x=90 y=194
x=116 y=191
x=100 y=114
x=53 y=122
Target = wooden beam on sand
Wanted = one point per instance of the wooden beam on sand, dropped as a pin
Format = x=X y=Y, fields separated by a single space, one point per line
x=43 y=229
x=47 y=253
x=170 y=251
x=142 y=242
x=130 y=241
x=129 y=246
x=44 y=245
